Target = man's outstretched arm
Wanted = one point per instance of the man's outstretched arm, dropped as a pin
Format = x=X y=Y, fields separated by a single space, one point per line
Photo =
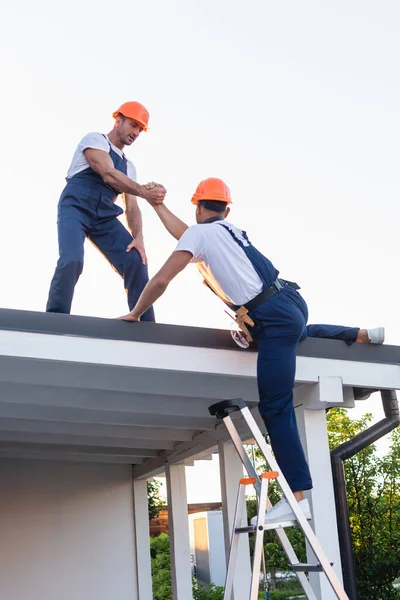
x=171 y=222
x=100 y=161
x=159 y=283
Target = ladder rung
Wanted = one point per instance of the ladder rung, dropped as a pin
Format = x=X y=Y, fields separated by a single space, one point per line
x=267 y=526
x=249 y=529
x=307 y=568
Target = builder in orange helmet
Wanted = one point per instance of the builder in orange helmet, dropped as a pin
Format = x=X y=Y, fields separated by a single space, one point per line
x=267 y=308
x=98 y=173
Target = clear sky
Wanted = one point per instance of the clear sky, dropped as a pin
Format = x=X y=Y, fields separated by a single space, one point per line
x=294 y=104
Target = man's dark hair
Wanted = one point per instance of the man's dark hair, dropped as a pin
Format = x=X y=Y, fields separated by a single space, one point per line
x=213 y=205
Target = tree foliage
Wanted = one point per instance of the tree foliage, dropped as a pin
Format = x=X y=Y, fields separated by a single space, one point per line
x=373 y=494
x=161 y=574
x=210 y=592
x=161 y=567
x=153 y=497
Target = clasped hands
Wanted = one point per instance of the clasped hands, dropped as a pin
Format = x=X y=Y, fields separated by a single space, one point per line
x=154 y=193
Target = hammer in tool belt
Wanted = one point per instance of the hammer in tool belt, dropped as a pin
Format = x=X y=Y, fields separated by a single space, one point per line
x=242 y=320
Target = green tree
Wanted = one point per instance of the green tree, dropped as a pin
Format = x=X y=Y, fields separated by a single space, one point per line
x=373 y=493
x=161 y=574
x=161 y=567
x=210 y=592
x=153 y=497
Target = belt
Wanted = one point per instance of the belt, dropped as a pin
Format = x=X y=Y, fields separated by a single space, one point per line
x=267 y=293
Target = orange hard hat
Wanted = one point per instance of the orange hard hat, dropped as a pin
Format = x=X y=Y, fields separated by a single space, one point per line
x=135 y=111
x=212 y=189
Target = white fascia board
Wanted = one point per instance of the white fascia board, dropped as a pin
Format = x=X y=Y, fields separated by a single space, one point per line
x=168 y=357
x=142 y=355
x=352 y=373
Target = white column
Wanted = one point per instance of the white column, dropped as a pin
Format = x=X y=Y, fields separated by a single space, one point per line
x=178 y=526
x=231 y=471
x=142 y=539
x=313 y=432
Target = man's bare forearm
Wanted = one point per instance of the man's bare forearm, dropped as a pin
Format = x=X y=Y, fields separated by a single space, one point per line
x=135 y=223
x=102 y=164
x=133 y=216
x=152 y=292
x=123 y=184
x=171 y=222
x=159 y=283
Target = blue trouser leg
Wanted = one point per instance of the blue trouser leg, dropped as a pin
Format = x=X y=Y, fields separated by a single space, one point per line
x=112 y=239
x=71 y=237
x=282 y=321
x=332 y=332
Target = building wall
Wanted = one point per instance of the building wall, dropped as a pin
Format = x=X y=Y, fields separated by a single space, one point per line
x=66 y=531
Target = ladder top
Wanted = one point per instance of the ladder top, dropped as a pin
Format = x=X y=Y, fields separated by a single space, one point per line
x=224 y=408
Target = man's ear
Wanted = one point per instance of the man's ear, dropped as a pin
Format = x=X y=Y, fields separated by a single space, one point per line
x=227 y=211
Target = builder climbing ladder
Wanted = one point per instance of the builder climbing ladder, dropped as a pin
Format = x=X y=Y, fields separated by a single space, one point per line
x=223 y=410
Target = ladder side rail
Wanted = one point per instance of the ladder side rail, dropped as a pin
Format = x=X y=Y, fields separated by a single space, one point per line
x=237 y=442
x=305 y=526
x=292 y=557
x=230 y=573
x=259 y=541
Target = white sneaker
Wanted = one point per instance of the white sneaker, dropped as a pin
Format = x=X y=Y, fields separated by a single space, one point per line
x=282 y=512
x=377 y=335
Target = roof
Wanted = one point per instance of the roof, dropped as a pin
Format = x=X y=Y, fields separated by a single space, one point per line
x=83 y=388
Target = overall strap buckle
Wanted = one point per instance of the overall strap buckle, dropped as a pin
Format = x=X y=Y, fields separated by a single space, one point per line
x=278 y=285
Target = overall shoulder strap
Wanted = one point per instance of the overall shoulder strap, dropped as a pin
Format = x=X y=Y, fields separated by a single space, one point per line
x=234 y=236
x=123 y=157
x=108 y=142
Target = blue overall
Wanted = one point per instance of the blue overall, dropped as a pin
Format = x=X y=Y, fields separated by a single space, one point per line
x=280 y=324
x=87 y=209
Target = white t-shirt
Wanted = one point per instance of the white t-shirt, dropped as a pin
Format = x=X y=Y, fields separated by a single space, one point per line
x=222 y=262
x=97 y=141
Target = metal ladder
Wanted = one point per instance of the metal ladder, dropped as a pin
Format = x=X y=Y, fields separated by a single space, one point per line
x=223 y=410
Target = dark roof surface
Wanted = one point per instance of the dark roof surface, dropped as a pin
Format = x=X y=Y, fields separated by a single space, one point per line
x=160 y=333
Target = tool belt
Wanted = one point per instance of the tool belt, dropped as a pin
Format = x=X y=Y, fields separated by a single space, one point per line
x=242 y=317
